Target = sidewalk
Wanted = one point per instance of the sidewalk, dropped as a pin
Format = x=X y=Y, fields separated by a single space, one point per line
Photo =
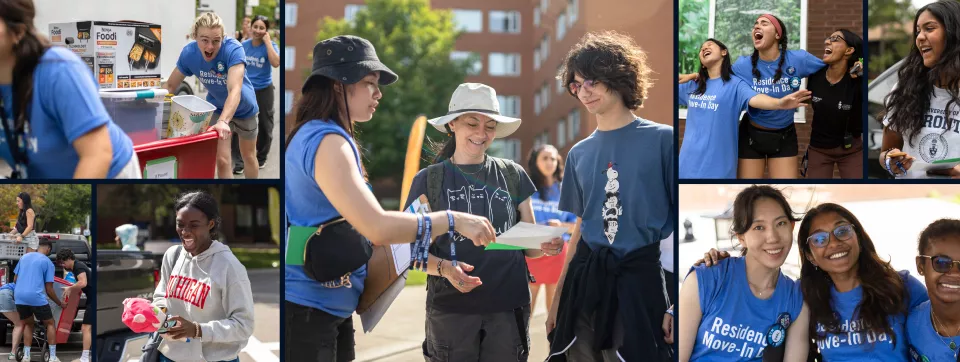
x=401 y=331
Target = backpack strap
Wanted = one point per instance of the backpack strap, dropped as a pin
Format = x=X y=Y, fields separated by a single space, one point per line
x=435 y=186
x=510 y=171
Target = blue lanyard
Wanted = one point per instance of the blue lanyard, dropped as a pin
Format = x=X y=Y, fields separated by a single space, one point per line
x=453 y=244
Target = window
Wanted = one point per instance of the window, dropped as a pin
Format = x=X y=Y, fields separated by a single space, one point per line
x=536 y=58
x=467 y=56
x=350 y=11
x=289 y=57
x=287 y=101
x=545 y=47
x=542 y=139
x=559 y=80
x=561 y=134
x=545 y=95
x=509 y=106
x=504 y=64
x=505 y=21
x=561 y=26
x=574 y=123
x=536 y=103
x=544 y=4
x=573 y=10
x=290 y=15
x=506 y=148
x=470 y=21
x=536 y=16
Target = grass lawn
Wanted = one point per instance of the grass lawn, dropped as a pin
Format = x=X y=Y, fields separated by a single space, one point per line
x=258 y=258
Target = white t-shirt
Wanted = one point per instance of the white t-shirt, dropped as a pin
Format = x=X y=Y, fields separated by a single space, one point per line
x=666 y=253
x=937 y=140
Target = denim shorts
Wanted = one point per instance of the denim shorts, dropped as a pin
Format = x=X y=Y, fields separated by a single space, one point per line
x=6 y=301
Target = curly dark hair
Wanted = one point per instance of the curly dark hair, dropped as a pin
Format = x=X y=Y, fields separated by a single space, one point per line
x=743 y=207
x=65 y=254
x=613 y=59
x=883 y=289
x=782 y=45
x=206 y=203
x=538 y=178
x=937 y=230
x=726 y=69
x=907 y=104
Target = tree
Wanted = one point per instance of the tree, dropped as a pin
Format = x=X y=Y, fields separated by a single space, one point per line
x=415 y=42
x=266 y=8
x=889 y=16
x=65 y=207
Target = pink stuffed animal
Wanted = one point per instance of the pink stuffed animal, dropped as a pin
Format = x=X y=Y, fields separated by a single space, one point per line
x=141 y=316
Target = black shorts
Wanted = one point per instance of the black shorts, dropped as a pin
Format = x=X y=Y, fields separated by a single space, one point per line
x=43 y=312
x=317 y=335
x=787 y=144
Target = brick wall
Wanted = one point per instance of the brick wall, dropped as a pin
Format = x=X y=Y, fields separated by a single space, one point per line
x=823 y=18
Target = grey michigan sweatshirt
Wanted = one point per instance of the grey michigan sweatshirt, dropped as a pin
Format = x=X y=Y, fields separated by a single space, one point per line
x=211 y=289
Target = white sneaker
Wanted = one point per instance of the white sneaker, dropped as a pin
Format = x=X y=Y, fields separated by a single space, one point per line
x=12 y=356
x=26 y=358
x=53 y=359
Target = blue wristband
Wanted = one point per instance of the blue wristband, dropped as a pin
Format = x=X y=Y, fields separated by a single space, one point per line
x=453 y=244
x=427 y=229
x=416 y=242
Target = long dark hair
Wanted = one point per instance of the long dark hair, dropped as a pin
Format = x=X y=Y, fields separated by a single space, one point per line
x=539 y=179
x=853 y=41
x=907 y=104
x=322 y=102
x=18 y=16
x=726 y=69
x=444 y=149
x=27 y=204
x=266 y=22
x=206 y=203
x=743 y=207
x=782 y=45
x=883 y=289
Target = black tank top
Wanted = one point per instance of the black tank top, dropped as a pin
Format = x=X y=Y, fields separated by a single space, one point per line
x=22 y=221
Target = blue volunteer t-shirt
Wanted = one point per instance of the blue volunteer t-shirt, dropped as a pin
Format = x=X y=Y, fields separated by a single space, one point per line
x=926 y=345
x=709 y=149
x=853 y=343
x=258 y=64
x=799 y=64
x=621 y=183
x=736 y=325
x=33 y=272
x=213 y=75
x=65 y=106
x=544 y=211
x=306 y=205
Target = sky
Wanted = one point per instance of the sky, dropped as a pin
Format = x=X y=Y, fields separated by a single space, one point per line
x=920 y=3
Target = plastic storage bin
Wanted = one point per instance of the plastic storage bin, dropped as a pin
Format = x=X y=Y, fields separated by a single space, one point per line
x=188 y=157
x=139 y=114
x=189 y=115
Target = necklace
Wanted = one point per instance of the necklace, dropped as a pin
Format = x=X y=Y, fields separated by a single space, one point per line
x=953 y=344
x=757 y=288
x=469 y=173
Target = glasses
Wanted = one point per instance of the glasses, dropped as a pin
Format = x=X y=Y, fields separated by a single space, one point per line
x=835 y=38
x=574 y=87
x=941 y=263
x=820 y=239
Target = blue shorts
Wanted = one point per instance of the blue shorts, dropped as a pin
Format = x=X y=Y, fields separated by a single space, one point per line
x=6 y=301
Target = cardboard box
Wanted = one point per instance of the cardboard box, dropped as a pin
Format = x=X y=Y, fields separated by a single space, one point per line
x=121 y=55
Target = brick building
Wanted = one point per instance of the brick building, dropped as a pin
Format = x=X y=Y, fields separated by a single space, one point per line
x=822 y=19
x=521 y=45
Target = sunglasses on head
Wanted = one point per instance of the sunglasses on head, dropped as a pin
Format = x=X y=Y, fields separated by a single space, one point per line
x=574 y=87
x=941 y=263
x=820 y=239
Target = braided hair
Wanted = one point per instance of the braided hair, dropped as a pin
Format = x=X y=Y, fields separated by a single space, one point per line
x=781 y=45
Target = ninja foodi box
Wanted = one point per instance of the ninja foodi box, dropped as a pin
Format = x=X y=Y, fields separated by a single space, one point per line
x=122 y=55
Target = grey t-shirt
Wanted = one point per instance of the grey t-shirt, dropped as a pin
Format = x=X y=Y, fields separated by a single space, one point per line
x=479 y=190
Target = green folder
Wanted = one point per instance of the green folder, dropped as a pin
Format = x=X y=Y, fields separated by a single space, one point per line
x=297 y=237
x=946 y=161
x=498 y=246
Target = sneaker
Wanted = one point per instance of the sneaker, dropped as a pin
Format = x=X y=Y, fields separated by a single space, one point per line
x=26 y=358
x=12 y=356
x=263 y=164
x=53 y=359
x=237 y=170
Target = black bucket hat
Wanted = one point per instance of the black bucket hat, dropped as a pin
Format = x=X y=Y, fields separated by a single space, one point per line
x=348 y=58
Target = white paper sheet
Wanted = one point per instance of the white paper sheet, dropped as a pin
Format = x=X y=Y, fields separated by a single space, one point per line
x=530 y=236
x=919 y=169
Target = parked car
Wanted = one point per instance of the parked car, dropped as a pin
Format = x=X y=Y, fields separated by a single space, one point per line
x=876 y=93
x=81 y=250
x=121 y=275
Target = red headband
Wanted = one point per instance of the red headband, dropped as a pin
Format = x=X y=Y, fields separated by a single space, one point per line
x=773 y=21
